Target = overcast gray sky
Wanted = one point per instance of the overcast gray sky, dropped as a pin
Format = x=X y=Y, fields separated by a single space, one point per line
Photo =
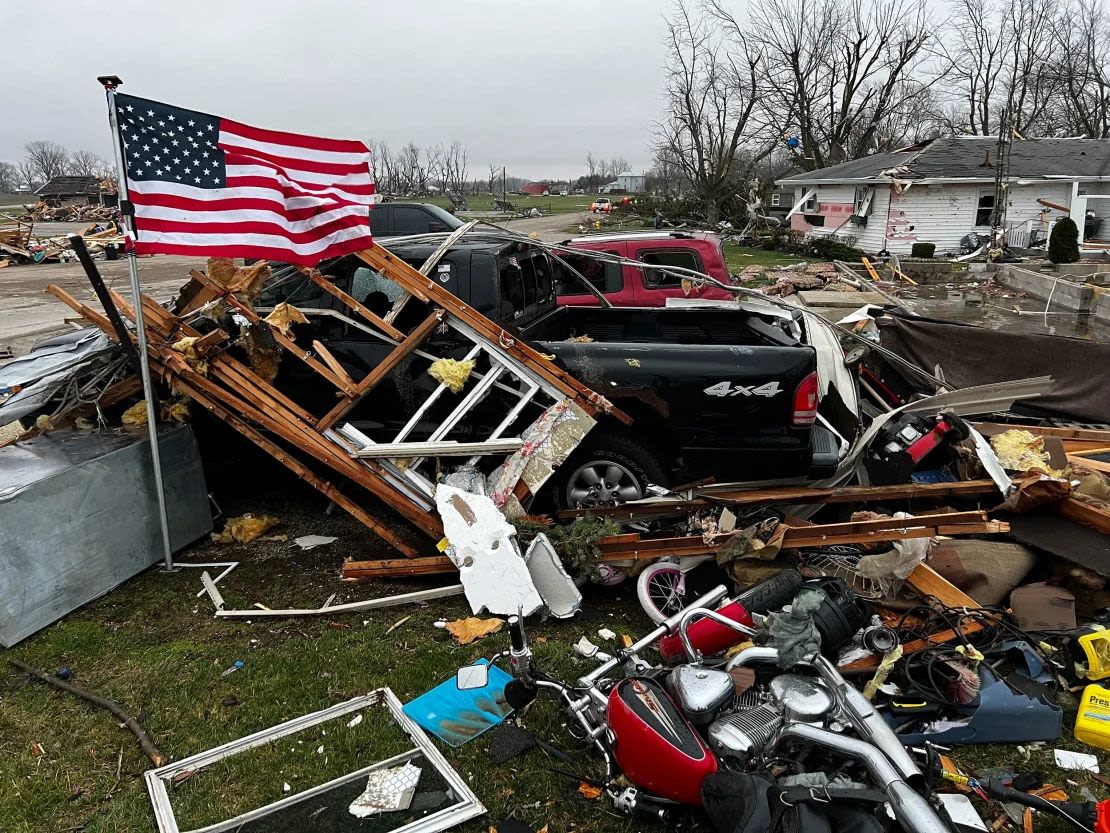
x=531 y=84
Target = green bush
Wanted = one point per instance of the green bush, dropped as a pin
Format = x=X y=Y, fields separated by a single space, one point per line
x=1063 y=243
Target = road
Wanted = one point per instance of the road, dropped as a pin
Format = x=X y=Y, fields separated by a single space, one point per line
x=29 y=314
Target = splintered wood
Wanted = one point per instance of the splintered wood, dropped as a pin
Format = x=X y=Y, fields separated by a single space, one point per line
x=204 y=367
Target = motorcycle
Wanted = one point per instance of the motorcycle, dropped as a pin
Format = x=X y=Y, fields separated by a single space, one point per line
x=682 y=733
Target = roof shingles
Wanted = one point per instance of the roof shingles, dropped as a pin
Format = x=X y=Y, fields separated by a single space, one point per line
x=964 y=157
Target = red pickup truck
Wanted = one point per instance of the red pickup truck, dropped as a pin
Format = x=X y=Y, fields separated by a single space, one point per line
x=632 y=286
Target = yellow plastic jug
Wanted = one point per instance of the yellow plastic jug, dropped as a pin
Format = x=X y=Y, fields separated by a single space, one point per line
x=1092 y=724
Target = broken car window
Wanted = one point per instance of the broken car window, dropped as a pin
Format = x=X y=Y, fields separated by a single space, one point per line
x=680 y=258
x=512 y=290
x=606 y=277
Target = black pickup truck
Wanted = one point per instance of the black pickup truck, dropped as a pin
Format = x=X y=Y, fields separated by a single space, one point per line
x=713 y=392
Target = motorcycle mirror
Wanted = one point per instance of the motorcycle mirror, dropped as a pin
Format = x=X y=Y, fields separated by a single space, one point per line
x=470 y=677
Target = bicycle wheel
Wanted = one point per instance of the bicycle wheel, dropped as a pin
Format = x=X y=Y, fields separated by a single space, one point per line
x=661 y=589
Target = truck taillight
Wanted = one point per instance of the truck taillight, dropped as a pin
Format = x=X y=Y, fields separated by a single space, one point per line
x=805 y=402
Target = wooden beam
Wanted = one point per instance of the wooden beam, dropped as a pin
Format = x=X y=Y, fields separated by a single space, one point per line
x=1097 y=465
x=347 y=387
x=329 y=287
x=928 y=583
x=1093 y=516
x=1096 y=434
x=251 y=400
x=332 y=362
x=426 y=289
x=399 y=567
x=632 y=546
x=790 y=494
x=381 y=370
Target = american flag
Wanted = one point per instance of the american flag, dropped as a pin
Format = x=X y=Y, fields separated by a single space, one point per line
x=209 y=186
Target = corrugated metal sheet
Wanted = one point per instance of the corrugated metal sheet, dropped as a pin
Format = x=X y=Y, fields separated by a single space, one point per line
x=78 y=515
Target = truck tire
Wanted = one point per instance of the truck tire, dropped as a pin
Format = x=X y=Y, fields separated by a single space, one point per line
x=611 y=469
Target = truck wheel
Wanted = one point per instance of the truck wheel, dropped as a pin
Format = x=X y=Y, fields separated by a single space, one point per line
x=612 y=470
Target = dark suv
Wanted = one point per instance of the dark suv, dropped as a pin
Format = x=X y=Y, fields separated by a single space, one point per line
x=398 y=219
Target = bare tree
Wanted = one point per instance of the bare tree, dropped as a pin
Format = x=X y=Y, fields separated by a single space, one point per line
x=591 y=164
x=1081 y=46
x=833 y=71
x=86 y=163
x=48 y=159
x=975 y=54
x=494 y=175
x=619 y=165
x=603 y=170
x=455 y=159
x=27 y=174
x=9 y=178
x=712 y=95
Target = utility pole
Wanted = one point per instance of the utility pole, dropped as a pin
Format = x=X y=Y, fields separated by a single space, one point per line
x=504 y=196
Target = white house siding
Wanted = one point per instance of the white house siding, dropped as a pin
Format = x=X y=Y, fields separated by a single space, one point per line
x=834 y=202
x=872 y=237
x=944 y=213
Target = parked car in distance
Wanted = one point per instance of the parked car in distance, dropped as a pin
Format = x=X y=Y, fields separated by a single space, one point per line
x=601 y=204
x=397 y=219
x=631 y=286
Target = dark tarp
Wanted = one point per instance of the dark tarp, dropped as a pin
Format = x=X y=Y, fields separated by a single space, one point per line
x=970 y=356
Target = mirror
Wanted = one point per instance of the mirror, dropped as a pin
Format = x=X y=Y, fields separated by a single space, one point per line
x=470 y=677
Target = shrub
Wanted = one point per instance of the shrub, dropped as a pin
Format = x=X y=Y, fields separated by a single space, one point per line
x=1063 y=243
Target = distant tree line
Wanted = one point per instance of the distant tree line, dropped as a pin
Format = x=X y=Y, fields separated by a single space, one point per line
x=811 y=83
x=43 y=160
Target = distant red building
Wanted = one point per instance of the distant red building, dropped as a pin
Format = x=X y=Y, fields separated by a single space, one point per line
x=536 y=189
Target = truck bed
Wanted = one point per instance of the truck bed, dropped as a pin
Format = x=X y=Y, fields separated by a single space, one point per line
x=657 y=325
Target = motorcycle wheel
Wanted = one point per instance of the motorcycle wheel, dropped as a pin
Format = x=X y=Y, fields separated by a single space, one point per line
x=661 y=589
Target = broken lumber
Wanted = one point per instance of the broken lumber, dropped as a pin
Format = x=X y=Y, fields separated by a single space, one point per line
x=632 y=547
x=706 y=498
x=928 y=584
x=399 y=567
x=1082 y=512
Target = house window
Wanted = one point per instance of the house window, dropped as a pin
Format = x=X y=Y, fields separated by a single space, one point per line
x=861 y=204
x=985 y=209
x=775 y=200
x=810 y=205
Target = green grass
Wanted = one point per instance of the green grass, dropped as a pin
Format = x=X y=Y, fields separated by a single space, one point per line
x=158 y=651
x=741 y=257
x=554 y=204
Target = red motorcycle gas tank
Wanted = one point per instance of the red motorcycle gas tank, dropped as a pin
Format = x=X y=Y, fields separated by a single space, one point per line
x=655 y=746
x=707 y=636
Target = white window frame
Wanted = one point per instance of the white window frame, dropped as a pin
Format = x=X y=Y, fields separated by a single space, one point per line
x=776 y=199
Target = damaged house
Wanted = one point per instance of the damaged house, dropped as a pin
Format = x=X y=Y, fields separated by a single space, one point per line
x=941 y=191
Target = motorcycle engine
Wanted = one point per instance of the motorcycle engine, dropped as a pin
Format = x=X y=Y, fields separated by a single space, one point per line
x=743 y=732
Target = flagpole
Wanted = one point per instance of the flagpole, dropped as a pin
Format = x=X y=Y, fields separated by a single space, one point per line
x=110 y=83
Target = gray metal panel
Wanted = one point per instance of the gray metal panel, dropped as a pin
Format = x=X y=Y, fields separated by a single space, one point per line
x=78 y=516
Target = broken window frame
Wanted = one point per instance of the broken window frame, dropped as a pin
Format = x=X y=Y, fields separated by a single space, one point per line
x=989 y=209
x=467 y=807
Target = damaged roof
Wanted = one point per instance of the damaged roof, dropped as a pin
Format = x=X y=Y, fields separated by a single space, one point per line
x=64 y=186
x=972 y=157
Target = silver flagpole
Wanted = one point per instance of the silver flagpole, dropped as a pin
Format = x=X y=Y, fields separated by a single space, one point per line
x=110 y=83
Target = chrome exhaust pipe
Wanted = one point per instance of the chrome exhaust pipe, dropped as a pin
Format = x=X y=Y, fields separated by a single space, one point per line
x=869 y=723
x=913 y=812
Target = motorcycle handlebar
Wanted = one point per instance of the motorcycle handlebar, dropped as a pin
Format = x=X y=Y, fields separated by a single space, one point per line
x=668 y=625
x=516 y=633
